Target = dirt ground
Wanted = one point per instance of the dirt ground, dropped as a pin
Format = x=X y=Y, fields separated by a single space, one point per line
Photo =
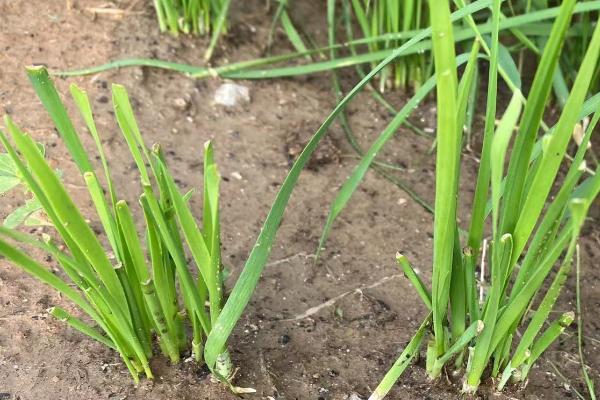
x=339 y=351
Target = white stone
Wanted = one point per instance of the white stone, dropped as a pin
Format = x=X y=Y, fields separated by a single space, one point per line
x=231 y=94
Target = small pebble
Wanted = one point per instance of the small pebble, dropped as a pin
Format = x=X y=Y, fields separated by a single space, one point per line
x=236 y=175
x=231 y=94
x=181 y=103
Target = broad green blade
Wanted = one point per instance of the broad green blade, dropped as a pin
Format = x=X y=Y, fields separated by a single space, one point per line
x=447 y=164
x=130 y=130
x=164 y=281
x=212 y=229
x=44 y=88
x=458 y=305
x=168 y=338
x=83 y=104
x=500 y=142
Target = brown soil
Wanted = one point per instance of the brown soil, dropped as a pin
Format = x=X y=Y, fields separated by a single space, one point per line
x=338 y=351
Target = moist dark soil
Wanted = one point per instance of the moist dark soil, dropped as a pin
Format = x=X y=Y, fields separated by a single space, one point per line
x=339 y=351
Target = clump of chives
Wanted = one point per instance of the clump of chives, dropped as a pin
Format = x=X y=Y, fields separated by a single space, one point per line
x=394 y=18
x=198 y=17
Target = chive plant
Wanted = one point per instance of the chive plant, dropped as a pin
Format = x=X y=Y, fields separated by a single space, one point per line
x=502 y=329
x=128 y=290
x=188 y=16
x=198 y=17
x=386 y=18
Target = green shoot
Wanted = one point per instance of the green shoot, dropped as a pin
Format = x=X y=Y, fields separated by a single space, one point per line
x=138 y=294
x=386 y=18
x=531 y=231
x=197 y=17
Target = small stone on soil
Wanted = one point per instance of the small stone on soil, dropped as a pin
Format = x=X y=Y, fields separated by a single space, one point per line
x=231 y=94
x=181 y=103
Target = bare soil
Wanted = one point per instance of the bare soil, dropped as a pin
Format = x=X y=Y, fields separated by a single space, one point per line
x=342 y=349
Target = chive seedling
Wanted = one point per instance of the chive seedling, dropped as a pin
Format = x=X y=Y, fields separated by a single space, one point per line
x=138 y=287
x=393 y=18
x=198 y=17
x=129 y=301
x=530 y=231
